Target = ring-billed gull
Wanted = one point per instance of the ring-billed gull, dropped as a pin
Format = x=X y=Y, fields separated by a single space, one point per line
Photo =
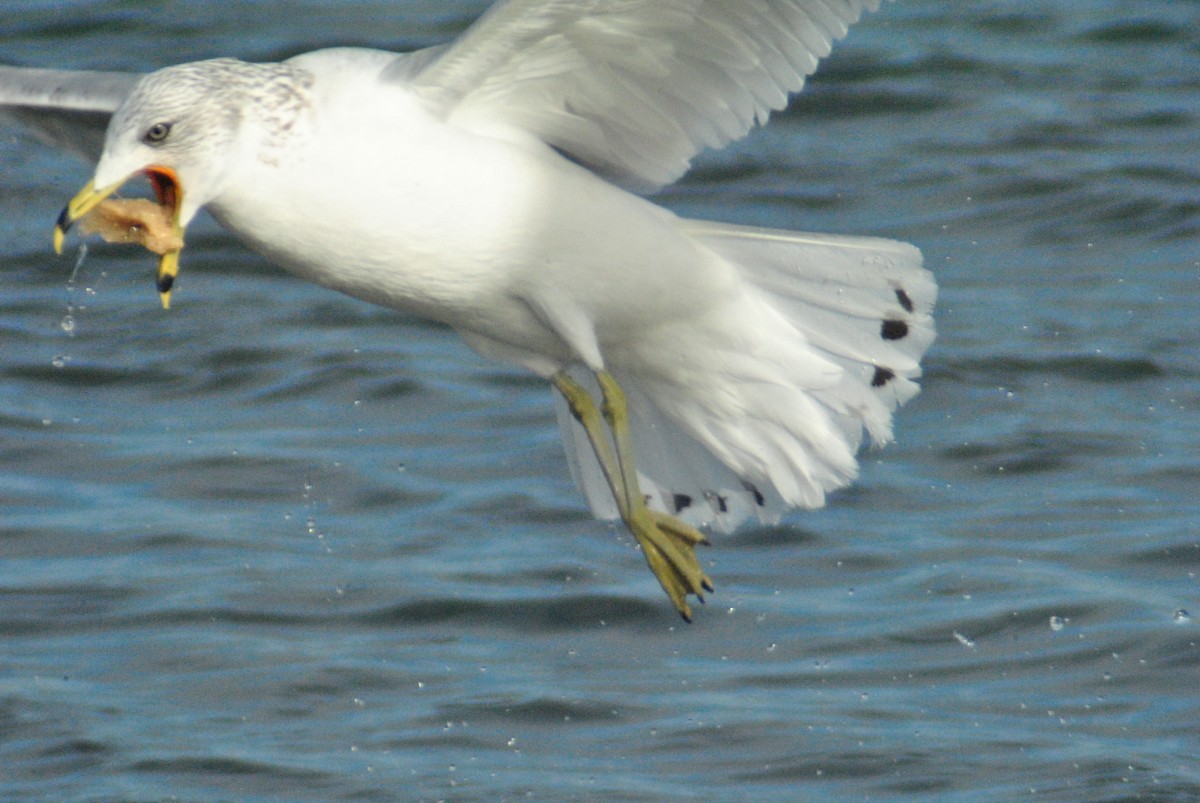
x=707 y=372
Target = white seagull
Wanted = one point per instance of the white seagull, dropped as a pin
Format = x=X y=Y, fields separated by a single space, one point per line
x=707 y=372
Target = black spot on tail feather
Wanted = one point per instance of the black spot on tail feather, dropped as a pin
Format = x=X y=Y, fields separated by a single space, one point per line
x=882 y=377
x=893 y=330
x=718 y=501
x=681 y=501
x=904 y=299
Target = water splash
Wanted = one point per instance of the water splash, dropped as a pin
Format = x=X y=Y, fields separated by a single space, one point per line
x=71 y=282
x=67 y=324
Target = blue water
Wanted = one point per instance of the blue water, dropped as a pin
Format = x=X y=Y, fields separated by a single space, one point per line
x=279 y=545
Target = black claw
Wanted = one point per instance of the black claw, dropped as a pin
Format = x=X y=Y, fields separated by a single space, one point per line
x=685 y=617
x=707 y=585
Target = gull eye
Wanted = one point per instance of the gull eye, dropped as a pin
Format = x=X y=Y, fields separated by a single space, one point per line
x=156 y=133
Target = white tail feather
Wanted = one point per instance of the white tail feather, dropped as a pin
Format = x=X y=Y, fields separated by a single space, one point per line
x=830 y=334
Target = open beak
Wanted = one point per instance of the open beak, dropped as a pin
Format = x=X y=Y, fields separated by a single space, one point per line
x=170 y=195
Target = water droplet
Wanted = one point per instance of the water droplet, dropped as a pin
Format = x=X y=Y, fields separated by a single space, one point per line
x=59 y=361
x=1057 y=623
x=1182 y=616
x=963 y=640
x=68 y=323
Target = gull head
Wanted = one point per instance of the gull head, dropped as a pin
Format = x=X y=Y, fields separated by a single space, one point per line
x=185 y=128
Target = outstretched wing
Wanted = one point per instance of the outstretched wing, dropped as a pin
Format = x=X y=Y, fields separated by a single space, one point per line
x=66 y=108
x=633 y=88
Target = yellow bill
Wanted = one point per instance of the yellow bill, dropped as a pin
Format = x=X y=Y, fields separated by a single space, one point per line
x=154 y=226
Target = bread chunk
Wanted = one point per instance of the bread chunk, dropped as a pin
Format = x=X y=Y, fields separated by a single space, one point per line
x=133 y=220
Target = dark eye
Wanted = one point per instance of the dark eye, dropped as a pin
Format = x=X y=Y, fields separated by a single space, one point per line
x=156 y=133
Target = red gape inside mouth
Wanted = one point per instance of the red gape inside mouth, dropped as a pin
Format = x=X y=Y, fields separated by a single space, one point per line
x=166 y=186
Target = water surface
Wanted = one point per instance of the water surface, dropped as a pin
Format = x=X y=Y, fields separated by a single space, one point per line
x=280 y=545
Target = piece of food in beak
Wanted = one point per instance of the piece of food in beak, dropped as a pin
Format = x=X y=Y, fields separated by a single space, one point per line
x=154 y=226
x=133 y=220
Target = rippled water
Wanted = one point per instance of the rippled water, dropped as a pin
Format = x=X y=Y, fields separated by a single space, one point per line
x=277 y=544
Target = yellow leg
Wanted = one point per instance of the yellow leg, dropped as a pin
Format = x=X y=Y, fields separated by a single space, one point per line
x=584 y=410
x=667 y=543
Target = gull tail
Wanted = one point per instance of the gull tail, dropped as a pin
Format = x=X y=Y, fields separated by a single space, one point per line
x=830 y=332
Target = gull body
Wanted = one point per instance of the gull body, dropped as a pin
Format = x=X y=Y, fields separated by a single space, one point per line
x=499 y=236
x=707 y=372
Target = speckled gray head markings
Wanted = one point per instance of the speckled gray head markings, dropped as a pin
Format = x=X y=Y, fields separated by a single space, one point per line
x=214 y=97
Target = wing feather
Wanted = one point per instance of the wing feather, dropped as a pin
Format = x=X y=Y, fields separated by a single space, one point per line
x=632 y=88
x=66 y=108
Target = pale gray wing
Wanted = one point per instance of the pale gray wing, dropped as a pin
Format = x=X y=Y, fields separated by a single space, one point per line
x=65 y=108
x=632 y=88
